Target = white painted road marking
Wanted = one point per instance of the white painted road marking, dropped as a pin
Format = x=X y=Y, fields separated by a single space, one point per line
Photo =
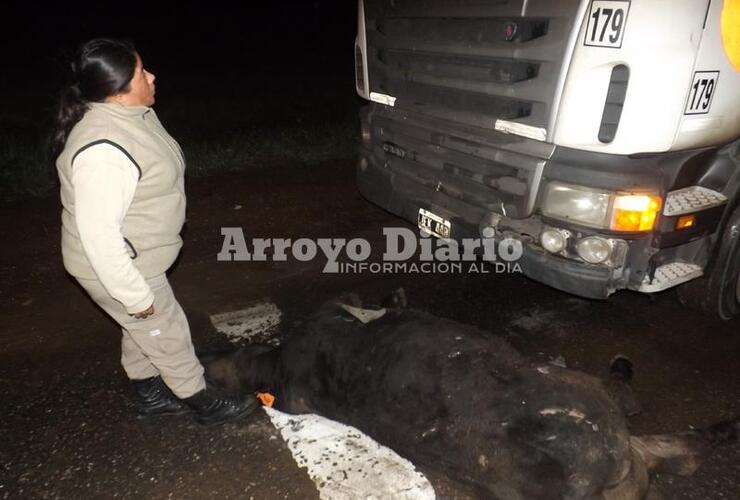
x=255 y=323
x=345 y=464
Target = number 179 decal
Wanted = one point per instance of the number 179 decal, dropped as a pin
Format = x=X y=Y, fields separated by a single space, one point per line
x=606 y=22
x=701 y=93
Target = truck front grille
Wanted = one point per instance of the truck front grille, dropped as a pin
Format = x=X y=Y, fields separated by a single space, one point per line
x=469 y=61
x=486 y=170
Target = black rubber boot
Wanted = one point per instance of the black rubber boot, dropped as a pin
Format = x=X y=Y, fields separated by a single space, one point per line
x=154 y=398
x=210 y=407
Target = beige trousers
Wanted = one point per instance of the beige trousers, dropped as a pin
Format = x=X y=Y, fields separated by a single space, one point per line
x=157 y=345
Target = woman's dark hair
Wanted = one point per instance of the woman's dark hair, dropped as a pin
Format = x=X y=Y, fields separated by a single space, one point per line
x=101 y=68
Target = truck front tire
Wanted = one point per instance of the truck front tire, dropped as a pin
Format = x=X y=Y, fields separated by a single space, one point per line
x=718 y=292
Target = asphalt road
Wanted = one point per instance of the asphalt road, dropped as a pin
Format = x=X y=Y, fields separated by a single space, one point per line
x=67 y=429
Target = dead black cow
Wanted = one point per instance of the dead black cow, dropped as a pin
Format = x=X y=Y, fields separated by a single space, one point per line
x=450 y=396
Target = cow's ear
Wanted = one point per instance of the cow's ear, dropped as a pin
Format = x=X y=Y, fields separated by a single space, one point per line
x=396 y=300
x=348 y=298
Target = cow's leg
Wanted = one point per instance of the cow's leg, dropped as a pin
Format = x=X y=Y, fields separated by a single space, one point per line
x=682 y=454
x=619 y=385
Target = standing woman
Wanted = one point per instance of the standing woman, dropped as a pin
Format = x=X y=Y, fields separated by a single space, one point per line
x=123 y=200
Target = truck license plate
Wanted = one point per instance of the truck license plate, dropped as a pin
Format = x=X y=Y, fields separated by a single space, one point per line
x=433 y=224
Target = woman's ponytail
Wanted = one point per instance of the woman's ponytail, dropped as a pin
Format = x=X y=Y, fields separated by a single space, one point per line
x=71 y=107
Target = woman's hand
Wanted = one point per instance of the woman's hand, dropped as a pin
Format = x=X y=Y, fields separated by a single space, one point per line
x=145 y=313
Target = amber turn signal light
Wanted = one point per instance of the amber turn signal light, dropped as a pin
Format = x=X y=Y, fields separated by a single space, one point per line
x=685 y=222
x=635 y=212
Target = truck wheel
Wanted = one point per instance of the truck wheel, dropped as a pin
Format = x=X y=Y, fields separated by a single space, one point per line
x=718 y=292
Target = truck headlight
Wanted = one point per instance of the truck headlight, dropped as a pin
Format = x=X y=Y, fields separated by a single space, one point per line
x=594 y=249
x=601 y=209
x=577 y=204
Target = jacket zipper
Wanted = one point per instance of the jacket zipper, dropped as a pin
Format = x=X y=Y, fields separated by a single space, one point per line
x=177 y=152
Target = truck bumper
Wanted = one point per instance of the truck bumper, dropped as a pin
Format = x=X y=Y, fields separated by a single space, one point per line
x=391 y=193
x=593 y=282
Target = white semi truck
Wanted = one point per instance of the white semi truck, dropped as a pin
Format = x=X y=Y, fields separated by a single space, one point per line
x=603 y=134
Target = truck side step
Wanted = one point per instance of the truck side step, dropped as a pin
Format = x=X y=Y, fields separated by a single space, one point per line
x=691 y=199
x=670 y=275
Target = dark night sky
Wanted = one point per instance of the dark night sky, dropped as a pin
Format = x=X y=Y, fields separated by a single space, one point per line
x=219 y=39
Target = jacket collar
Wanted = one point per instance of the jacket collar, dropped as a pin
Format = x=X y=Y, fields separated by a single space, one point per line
x=120 y=110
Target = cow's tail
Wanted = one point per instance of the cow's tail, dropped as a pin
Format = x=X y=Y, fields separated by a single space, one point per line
x=683 y=453
x=396 y=300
